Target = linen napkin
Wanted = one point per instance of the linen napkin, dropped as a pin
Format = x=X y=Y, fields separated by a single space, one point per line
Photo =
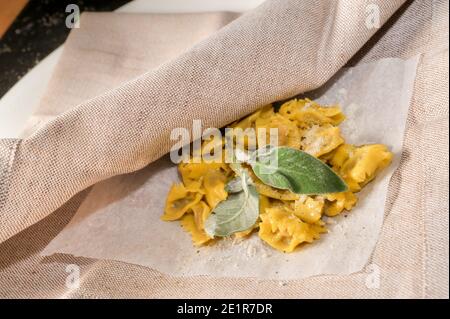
x=411 y=253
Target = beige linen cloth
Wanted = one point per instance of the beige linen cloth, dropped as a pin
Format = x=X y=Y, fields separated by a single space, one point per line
x=125 y=80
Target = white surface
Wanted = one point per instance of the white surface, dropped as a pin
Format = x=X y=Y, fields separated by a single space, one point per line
x=18 y=103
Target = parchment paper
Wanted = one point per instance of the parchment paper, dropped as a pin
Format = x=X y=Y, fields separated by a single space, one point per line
x=120 y=219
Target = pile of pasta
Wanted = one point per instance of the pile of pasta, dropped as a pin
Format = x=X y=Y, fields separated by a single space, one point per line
x=286 y=219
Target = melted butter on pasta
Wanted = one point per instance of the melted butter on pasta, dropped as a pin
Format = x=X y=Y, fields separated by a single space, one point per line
x=287 y=220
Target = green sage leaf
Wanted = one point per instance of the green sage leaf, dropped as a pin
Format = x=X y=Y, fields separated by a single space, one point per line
x=234 y=186
x=295 y=170
x=237 y=213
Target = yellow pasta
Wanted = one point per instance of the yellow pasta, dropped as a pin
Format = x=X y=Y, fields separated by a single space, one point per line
x=336 y=203
x=179 y=201
x=309 y=209
x=199 y=237
x=359 y=165
x=320 y=140
x=288 y=133
x=286 y=220
x=282 y=230
x=214 y=184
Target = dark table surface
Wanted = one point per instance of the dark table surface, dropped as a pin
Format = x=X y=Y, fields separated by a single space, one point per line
x=38 y=30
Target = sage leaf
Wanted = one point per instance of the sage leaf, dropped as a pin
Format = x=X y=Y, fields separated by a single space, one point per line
x=237 y=213
x=234 y=186
x=295 y=170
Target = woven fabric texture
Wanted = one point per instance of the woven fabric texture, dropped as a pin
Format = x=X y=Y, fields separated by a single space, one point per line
x=98 y=120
